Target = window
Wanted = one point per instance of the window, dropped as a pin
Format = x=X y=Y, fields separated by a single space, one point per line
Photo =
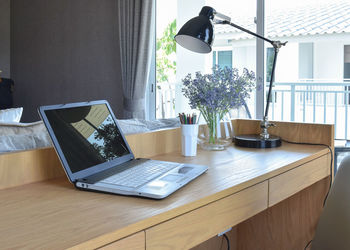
x=311 y=69
x=269 y=63
x=174 y=62
x=347 y=62
x=222 y=58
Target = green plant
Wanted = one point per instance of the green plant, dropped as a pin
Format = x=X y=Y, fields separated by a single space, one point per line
x=165 y=50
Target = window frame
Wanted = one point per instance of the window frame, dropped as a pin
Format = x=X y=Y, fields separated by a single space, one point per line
x=221 y=49
x=260 y=66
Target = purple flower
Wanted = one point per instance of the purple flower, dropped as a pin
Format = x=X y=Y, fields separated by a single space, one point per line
x=218 y=92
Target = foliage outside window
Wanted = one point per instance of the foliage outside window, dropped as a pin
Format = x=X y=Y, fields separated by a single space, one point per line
x=166 y=54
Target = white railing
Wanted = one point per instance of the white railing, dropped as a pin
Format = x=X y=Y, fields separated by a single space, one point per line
x=165 y=100
x=165 y=103
x=316 y=101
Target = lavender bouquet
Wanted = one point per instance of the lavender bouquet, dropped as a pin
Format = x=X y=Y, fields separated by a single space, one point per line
x=217 y=93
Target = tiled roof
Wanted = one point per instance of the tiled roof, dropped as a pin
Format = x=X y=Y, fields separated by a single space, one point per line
x=330 y=18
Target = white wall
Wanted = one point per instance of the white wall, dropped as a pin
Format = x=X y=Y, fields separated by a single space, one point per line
x=187 y=61
x=328 y=60
x=244 y=57
x=287 y=63
x=328 y=57
x=5 y=38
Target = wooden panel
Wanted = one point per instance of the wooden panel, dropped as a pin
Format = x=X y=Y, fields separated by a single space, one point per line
x=290 y=131
x=29 y=166
x=199 y=225
x=133 y=242
x=49 y=214
x=155 y=143
x=56 y=210
x=288 y=225
x=219 y=243
x=35 y=165
x=295 y=180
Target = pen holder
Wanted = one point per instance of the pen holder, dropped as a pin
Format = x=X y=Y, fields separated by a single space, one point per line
x=189 y=139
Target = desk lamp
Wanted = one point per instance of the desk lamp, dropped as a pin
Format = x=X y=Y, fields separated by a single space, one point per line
x=197 y=35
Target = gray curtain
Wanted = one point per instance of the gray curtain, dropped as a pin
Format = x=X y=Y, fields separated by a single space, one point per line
x=136 y=38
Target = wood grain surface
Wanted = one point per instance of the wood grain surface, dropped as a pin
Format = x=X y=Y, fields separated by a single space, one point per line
x=134 y=242
x=289 y=225
x=55 y=215
x=295 y=180
x=201 y=224
x=25 y=167
x=41 y=164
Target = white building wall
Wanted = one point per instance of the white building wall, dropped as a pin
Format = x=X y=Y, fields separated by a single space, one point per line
x=287 y=67
x=244 y=57
x=187 y=61
x=287 y=61
x=328 y=60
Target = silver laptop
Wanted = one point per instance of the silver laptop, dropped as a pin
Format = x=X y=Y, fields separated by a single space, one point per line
x=96 y=156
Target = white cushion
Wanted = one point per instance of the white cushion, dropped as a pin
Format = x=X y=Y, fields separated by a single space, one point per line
x=11 y=115
x=17 y=128
x=9 y=143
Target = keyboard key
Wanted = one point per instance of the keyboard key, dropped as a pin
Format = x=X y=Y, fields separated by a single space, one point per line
x=140 y=174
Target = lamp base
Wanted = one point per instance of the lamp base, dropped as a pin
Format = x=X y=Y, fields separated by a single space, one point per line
x=255 y=141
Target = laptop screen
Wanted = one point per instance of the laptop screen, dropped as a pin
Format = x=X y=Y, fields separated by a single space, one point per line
x=87 y=135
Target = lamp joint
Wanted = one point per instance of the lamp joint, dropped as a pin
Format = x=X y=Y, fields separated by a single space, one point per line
x=278 y=44
x=264 y=125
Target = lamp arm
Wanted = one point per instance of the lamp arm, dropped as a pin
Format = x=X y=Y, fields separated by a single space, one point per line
x=275 y=44
x=247 y=31
x=264 y=124
x=272 y=78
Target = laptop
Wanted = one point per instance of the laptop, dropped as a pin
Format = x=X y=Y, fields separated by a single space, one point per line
x=96 y=156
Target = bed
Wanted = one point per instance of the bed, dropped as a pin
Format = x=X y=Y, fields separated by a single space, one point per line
x=17 y=136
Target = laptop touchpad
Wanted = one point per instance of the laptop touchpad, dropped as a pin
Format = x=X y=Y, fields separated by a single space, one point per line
x=171 y=178
x=157 y=184
x=184 y=170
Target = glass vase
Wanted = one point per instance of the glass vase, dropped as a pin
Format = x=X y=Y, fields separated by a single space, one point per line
x=212 y=138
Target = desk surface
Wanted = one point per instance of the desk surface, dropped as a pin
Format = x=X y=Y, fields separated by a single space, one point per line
x=53 y=214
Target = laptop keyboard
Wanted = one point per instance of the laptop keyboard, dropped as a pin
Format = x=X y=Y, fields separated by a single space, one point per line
x=140 y=174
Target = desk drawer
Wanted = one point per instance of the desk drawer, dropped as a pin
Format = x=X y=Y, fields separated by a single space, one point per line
x=133 y=242
x=192 y=228
x=295 y=180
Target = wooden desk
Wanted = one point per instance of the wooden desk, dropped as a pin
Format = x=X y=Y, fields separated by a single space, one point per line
x=242 y=187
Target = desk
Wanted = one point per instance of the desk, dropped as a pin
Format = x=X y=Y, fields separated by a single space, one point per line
x=243 y=187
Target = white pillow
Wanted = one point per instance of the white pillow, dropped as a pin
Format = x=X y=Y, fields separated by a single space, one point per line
x=10 y=143
x=17 y=128
x=11 y=115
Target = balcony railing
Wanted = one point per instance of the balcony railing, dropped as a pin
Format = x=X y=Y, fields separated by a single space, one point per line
x=165 y=100
x=315 y=101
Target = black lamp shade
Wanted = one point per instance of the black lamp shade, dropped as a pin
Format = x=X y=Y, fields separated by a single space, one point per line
x=197 y=34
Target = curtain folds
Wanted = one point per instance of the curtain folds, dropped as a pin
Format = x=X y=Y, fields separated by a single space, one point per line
x=136 y=42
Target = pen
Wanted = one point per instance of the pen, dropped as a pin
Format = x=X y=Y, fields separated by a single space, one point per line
x=188 y=118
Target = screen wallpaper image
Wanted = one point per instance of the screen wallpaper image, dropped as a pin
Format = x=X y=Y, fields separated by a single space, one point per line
x=87 y=135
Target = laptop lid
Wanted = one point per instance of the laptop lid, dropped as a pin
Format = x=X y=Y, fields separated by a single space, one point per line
x=86 y=136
